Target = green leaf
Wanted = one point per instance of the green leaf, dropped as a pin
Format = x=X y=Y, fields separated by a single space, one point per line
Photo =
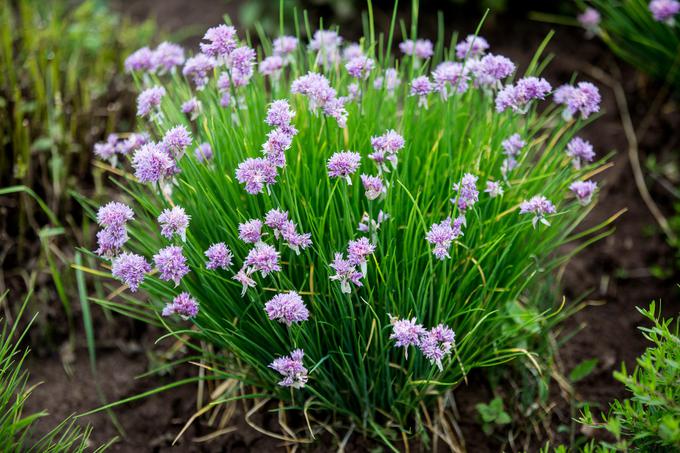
x=582 y=370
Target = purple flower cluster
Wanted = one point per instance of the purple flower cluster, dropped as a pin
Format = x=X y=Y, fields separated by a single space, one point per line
x=473 y=47
x=539 y=206
x=271 y=66
x=132 y=143
x=491 y=70
x=343 y=164
x=183 y=305
x=590 y=20
x=435 y=344
x=583 y=191
x=255 y=173
x=219 y=256
x=518 y=97
x=149 y=100
x=584 y=98
x=161 y=60
x=221 y=41
x=345 y=273
x=284 y=46
x=151 y=163
x=291 y=368
x=250 y=232
x=113 y=218
x=421 y=87
x=263 y=258
x=512 y=146
x=385 y=148
x=108 y=149
x=192 y=107
x=351 y=51
x=367 y=224
x=326 y=44
x=373 y=186
x=171 y=263
x=174 y=221
x=321 y=95
x=406 y=333
x=198 y=68
x=287 y=308
x=450 y=77
x=175 y=141
x=665 y=10
x=284 y=228
x=468 y=194
x=421 y=48
x=130 y=269
x=241 y=62
x=580 y=151
x=360 y=67
x=442 y=235
x=494 y=189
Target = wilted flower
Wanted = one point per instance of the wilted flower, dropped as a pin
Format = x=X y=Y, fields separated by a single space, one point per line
x=360 y=67
x=250 y=231
x=222 y=41
x=197 y=68
x=263 y=258
x=107 y=150
x=191 y=108
x=472 y=47
x=373 y=185
x=174 y=221
x=539 y=206
x=151 y=164
x=130 y=269
x=345 y=273
x=580 y=151
x=421 y=87
x=166 y=56
x=255 y=173
x=450 y=77
x=494 y=189
x=203 y=152
x=436 y=344
x=406 y=332
x=519 y=96
x=583 y=190
x=183 y=305
x=590 y=20
x=291 y=368
x=149 y=100
x=139 y=60
x=367 y=224
x=343 y=164
x=664 y=10
x=442 y=235
x=219 y=256
x=467 y=192
x=171 y=263
x=287 y=308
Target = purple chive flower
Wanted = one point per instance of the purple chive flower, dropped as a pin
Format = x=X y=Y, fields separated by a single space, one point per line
x=472 y=47
x=278 y=142
x=326 y=44
x=406 y=333
x=241 y=62
x=343 y=164
x=519 y=96
x=436 y=344
x=373 y=185
x=287 y=308
x=110 y=240
x=583 y=190
x=221 y=41
x=366 y=223
x=584 y=98
x=360 y=67
x=174 y=221
x=491 y=69
x=358 y=251
x=255 y=173
x=442 y=235
x=494 y=189
x=139 y=60
x=580 y=151
x=321 y=96
x=263 y=258
x=191 y=108
x=171 y=263
x=449 y=78
x=664 y=10
x=513 y=145
x=421 y=87
x=279 y=114
x=107 y=150
x=130 y=269
x=114 y=215
x=509 y=164
x=276 y=219
x=386 y=147
x=467 y=192
x=132 y=143
x=166 y=56
x=390 y=81
x=175 y=141
x=345 y=273
x=151 y=164
x=203 y=152
x=294 y=240
x=421 y=48
x=197 y=68
x=590 y=20
x=183 y=305
x=539 y=206
x=291 y=368
x=250 y=231
x=243 y=277
x=352 y=51
x=149 y=100
x=219 y=256
x=335 y=108
x=285 y=45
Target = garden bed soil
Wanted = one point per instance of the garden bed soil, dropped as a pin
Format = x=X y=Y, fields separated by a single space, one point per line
x=614 y=272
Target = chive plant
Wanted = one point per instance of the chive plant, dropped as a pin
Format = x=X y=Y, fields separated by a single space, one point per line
x=350 y=230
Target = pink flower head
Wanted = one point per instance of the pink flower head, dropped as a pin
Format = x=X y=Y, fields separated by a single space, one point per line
x=291 y=368
x=373 y=185
x=472 y=47
x=171 y=264
x=263 y=258
x=449 y=78
x=130 y=269
x=468 y=194
x=139 y=60
x=491 y=70
x=580 y=151
x=183 y=305
x=345 y=273
x=166 y=56
x=494 y=189
x=198 y=68
x=436 y=344
x=287 y=308
x=442 y=235
x=149 y=99
x=221 y=41
x=255 y=173
x=583 y=190
x=421 y=87
x=114 y=215
x=151 y=164
x=539 y=206
x=360 y=67
x=343 y=164
x=174 y=221
x=250 y=231
x=406 y=332
x=518 y=97
x=219 y=256
x=665 y=10
x=279 y=113
x=285 y=45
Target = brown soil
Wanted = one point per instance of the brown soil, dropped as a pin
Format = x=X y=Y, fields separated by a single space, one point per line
x=614 y=271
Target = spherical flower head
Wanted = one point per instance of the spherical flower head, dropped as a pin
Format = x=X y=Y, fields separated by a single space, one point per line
x=174 y=221
x=171 y=264
x=241 y=62
x=539 y=206
x=151 y=164
x=436 y=344
x=263 y=258
x=219 y=256
x=373 y=186
x=285 y=45
x=583 y=191
x=197 y=68
x=449 y=78
x=254 y=173
x=276 y=220
x=589 y=19
x=166 y=56
x=562 y=94
x=287 y=308
x=518 y=97
x=360 y=67
x=183 y=305
x=423 y=49
x=513 y=145
x=351 y=51
x=149 y=99
x=291 y=368
x=472 y=47
x=114 y=215
x=278 y=142
x=139 y=60
x=176 y=140
x=130 y=269
x=316 y=87
x=390 y=142
x=358 y=250
x=406 y=332
x=664 y=10
x=132 y=143
x=343 y=164
x=421 y=86
x=442 y=235
x=580 y=151
x=468 y=194
x=110 y=240
x=494 y=189
x=585 y=98
x=250 y=231
x=107 y=150
x=345 y=273
x=491 y=70
x=407 y=47
x=203 y=152
x=221 y=41
x=191 y=108
x=279 y=114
